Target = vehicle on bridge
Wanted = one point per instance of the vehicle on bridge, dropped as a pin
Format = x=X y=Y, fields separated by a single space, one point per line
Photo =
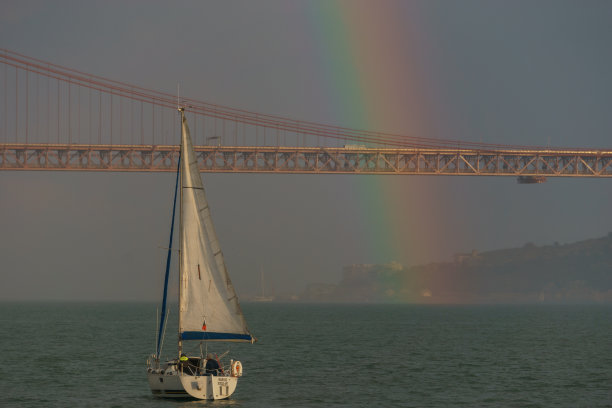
x=531 y=179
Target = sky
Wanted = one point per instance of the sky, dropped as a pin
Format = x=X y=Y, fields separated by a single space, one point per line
x=511 y=72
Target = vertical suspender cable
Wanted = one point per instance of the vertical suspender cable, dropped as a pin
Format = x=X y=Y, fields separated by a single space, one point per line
x=58 y=110
x=16 y=104
x=132 y=119
x=27 y=110
x=120 y=119
x=78 y=133
x=141 y=122
x=100 y=117
x=5 y=100
x=111 y=116
x=37 y=109
x=89 y=118
x=48 y=109
x=69 y=113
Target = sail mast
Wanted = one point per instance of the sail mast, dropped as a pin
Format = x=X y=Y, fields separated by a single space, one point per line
x=263 y=291
x=180 y=270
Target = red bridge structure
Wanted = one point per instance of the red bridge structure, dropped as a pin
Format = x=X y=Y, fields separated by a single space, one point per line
x=57 y=118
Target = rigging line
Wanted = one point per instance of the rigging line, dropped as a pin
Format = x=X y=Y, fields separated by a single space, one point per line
x=166 y=248
x=156 y=324
x=168 y=259
x=164 y=335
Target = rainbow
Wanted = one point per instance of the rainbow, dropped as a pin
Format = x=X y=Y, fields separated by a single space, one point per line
x=375 y=76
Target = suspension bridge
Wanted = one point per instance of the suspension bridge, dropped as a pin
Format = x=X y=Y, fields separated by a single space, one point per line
x=58 y=118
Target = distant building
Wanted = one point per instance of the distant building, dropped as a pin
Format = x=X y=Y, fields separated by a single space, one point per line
x=460 y=258
x=356 y=272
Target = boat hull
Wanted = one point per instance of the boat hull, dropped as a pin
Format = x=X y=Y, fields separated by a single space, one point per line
x=205 y=387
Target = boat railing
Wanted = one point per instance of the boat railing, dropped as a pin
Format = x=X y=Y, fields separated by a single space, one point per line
x=152 y=362
x=194 y=366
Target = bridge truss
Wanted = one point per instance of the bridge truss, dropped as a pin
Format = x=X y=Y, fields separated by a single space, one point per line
x=310 y=160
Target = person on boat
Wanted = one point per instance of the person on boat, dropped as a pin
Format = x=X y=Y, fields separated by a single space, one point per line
x=212 y=365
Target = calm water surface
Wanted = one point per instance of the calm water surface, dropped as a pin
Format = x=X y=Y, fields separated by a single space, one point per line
x=93 y=355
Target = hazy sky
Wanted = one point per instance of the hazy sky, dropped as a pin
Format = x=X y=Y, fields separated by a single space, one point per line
x=513 y=72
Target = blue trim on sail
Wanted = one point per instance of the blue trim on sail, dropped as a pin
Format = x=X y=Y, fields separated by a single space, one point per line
x=196 y=335
x=162 y=320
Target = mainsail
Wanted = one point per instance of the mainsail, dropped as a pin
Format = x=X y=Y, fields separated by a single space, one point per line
x=208 y=305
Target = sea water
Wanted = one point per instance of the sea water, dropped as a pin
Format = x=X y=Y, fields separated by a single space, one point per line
x=312 y=355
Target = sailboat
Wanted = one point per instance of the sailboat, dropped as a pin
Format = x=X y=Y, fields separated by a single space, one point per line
x=263 y=297
x=209 y=310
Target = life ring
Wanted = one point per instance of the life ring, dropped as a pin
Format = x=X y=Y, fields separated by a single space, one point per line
x=236 y=369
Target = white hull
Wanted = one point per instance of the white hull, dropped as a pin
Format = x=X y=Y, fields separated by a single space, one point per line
x=172 y=384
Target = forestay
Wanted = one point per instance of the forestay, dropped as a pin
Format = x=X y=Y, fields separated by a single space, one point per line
x=208 y=305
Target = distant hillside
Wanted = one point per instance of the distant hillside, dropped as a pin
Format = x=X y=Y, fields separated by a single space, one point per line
x=580 y=272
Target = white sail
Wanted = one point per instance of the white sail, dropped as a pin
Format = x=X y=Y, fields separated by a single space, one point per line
x=208 y=305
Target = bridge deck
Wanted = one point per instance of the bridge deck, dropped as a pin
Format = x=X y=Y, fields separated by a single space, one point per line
x=310 y=160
